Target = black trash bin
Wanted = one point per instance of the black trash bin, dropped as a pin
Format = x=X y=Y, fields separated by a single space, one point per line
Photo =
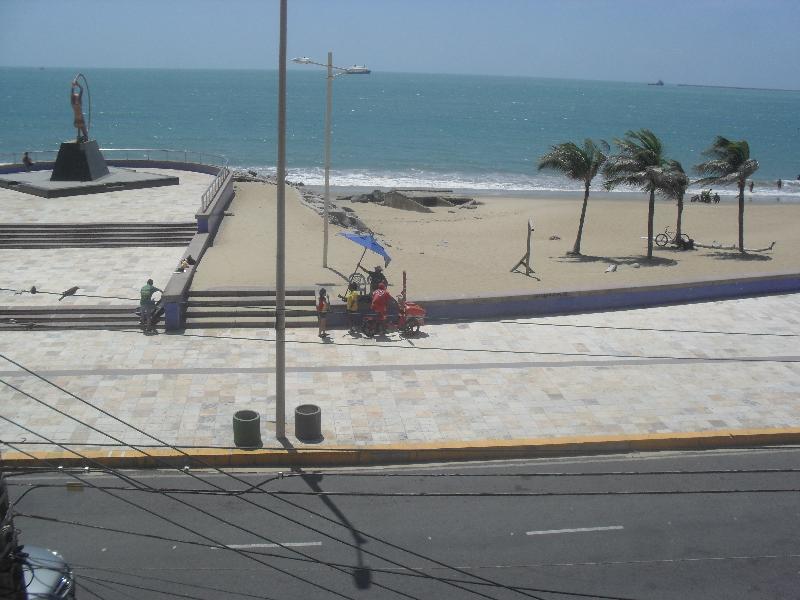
x=308 y=423
x=247 y=429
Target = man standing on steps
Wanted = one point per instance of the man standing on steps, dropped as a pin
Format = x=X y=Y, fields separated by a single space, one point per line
x=147 y=306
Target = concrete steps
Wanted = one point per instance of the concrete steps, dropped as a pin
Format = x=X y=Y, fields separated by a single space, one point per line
x=248 y=308
x=57 y=317
x=94 y=235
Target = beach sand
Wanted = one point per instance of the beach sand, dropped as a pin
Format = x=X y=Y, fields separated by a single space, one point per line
x=460 y=252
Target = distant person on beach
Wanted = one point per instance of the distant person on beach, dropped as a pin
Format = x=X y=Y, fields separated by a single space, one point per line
x=375 y=277
x=751 y=186
x=780 y=183
x=323 y=306
x=76 y=99
x=716 y=198
x=27 y=162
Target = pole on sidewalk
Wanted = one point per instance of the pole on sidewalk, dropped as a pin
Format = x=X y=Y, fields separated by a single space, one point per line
x=280 y=272
x=328 y=107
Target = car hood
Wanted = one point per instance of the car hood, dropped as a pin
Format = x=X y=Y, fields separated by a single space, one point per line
x=43 y=570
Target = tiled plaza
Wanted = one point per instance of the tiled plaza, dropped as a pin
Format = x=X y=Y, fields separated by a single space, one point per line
x=698 y=367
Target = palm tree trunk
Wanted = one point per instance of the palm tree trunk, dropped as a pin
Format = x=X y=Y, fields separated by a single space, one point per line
x=680 y=214
x=741 y=217
x=576 y=249
x=651 y=211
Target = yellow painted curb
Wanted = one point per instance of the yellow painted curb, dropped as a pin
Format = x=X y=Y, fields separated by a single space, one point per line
x=310 y=455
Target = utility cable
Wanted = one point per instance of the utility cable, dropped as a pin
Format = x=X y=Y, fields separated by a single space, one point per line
x=394 y=572
x=167 y=519
x=88 y=590
x=75 y=295
x=276 y=497
x=323 y=494
x=111 y=582
x=650 y=329
x=713 y=359
x=143 y=486
x=358 y=548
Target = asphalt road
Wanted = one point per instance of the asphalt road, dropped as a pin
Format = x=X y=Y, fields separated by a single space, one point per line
x=659 y=526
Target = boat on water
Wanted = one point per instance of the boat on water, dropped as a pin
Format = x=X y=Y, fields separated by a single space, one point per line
x=357 y=70
x=659 y=82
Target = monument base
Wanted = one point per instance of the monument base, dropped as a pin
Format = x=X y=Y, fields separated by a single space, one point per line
x=79 y=161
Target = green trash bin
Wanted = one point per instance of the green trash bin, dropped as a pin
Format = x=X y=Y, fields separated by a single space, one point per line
x=247 y=429
x=308 y=423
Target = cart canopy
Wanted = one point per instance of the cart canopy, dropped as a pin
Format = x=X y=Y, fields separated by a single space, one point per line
x=369 y=242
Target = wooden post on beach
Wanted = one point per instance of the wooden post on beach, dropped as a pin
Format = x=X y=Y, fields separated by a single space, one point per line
x=526 y=260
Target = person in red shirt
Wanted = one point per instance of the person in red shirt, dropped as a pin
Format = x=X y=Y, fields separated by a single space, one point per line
x=323 y=306
x=380 y=305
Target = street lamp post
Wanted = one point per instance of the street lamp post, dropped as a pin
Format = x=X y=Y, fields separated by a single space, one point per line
x=328 y=109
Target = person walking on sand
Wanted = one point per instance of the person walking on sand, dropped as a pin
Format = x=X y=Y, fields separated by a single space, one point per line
x=751 y=186
x=351 y=298
x=323 y=306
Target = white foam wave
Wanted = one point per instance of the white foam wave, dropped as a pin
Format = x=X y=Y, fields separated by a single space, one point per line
x=489 y=182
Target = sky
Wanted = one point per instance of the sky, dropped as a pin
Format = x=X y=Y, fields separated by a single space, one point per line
x=750 y=43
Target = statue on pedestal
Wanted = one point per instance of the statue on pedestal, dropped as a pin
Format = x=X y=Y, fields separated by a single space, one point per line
x=76 y=100
x=80 y=160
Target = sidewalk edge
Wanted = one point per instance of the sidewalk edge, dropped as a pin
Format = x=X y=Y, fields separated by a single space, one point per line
x=308 y=455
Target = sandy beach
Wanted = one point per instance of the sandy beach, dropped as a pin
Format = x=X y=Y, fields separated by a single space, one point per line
x=460 y=252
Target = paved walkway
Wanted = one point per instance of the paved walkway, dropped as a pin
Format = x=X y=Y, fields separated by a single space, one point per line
x=701 y=367
x=109 y=272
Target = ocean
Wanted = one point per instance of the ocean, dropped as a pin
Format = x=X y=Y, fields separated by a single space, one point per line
x=461 y=132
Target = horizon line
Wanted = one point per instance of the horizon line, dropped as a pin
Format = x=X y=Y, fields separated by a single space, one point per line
x=395 y=72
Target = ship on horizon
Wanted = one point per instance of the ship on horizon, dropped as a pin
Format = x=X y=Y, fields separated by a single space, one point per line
x=357 y=70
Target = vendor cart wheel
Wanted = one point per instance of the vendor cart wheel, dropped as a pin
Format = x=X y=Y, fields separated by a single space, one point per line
x=368 y=327
x=662 y=240
x=411 y=328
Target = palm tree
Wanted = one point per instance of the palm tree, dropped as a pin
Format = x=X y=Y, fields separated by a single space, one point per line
x=639 y=163
x=674 y=186
x=730 y=163
x=580 y=164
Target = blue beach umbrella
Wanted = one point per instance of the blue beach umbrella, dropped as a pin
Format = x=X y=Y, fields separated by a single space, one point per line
x=368 y=242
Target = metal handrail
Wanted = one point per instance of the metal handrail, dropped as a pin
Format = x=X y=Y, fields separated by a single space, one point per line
x=211 y=190
x=165 y=154
x=187 y=156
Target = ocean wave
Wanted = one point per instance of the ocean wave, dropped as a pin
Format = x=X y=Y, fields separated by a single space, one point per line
x=488 y=182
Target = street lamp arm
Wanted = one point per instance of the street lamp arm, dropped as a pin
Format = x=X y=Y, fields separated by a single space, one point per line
x=304 y=60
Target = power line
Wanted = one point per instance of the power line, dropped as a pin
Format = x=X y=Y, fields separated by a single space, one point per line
x=283 y=499
x=389 y=571
x=503 y=321
x=89 y=591
x=652 y=329
x=712 y=359
x=192 y=475
x=234 y=493
x=357 y=547
x=171 y=521
x=75 y=295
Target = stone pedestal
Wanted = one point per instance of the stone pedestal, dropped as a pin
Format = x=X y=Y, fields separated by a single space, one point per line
x=79 y=161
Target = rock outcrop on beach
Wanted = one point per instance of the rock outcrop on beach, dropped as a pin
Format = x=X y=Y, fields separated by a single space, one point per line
x=414 y=199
